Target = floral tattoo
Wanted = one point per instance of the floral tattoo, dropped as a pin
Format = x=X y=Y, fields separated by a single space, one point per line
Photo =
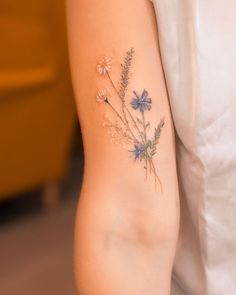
x=132 y=131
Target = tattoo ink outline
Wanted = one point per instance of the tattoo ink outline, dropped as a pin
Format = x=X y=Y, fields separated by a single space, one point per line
x=144 y=148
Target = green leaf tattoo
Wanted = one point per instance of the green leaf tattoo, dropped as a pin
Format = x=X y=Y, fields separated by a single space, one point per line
x=131 y=131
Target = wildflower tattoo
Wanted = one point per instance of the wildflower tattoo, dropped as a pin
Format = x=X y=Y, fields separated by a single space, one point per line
x=132 y=132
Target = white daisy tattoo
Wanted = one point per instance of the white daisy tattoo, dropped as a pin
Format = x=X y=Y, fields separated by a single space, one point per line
x=102 y=95
x=104 y=65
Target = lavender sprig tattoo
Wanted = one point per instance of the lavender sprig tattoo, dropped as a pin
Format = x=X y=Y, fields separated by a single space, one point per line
x=133 y=131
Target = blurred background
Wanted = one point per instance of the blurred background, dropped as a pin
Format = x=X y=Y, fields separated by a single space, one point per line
x=41 y=156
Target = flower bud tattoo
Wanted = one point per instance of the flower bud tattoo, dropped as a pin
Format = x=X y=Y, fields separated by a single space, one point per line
x=129 y=130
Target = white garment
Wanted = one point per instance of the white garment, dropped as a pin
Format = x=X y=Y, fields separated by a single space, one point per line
x=198 y=48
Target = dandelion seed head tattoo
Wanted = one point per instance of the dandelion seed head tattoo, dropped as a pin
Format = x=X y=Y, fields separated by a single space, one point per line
x=131 y=132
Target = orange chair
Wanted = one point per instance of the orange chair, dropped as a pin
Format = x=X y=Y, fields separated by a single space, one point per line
x=37 y=110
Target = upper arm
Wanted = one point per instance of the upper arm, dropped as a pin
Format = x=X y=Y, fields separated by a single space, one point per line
x=111 y=28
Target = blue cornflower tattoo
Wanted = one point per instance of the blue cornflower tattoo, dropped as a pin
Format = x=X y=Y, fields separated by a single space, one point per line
x=138 y=151
x=142 y=102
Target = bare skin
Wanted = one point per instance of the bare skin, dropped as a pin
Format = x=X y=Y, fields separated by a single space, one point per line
x=126 y=229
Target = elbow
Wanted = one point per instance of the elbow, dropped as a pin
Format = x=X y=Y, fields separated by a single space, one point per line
x=148 y=224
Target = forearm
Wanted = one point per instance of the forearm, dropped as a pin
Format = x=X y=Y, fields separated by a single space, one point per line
x=128 y=215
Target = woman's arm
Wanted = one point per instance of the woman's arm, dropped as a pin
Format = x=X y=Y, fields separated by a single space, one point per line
x=128 y=213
